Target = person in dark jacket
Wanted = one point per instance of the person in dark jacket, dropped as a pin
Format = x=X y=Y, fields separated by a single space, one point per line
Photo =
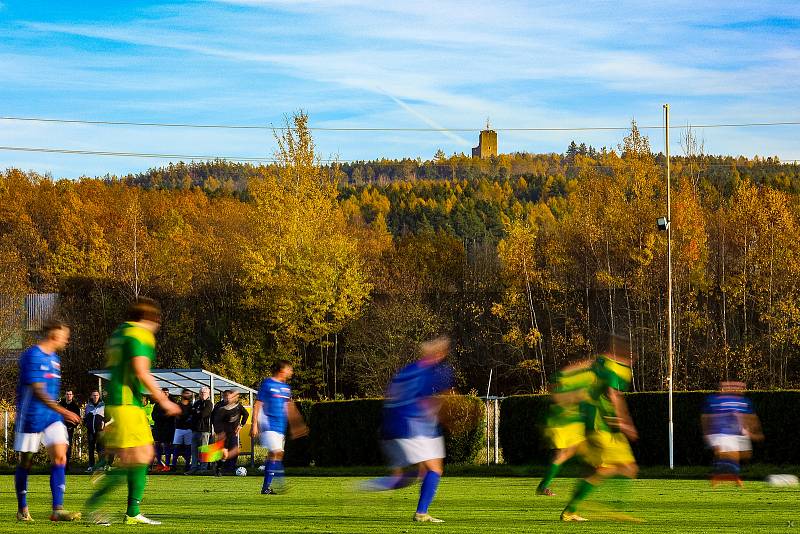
x=201 y=427
x=69 y=403
x=94 y=421
x=182 y=441
x=228 y=419
x=163 y=434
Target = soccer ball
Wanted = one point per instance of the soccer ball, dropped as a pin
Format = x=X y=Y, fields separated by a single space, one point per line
x=241 y=472
x=782 y=480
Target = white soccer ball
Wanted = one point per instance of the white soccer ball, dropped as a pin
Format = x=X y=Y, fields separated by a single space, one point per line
x=241 y=471
x=782 y=480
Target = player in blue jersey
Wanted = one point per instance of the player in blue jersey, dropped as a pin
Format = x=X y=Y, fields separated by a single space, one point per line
x=410 y=432
x=273 y=413
x=729 y=426
x=40 y=419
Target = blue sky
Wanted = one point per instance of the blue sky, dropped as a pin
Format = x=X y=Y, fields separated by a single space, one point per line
x=390 y=64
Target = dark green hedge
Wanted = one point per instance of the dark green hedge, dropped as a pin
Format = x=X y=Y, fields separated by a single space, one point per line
x=346 y=433
x=298 y=451
x=521 y=419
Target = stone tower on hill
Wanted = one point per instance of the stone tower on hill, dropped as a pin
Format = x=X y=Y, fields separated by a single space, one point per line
x=487 y=144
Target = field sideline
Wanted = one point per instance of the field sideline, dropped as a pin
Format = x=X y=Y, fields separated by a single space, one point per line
x=467 y=504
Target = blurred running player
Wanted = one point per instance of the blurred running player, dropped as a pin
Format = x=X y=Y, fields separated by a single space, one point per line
x=729 y=426
x=411 y=434
x=566 y=427
x=40 y=419
x=273 y=412
x=130 y=353
x=608 y=423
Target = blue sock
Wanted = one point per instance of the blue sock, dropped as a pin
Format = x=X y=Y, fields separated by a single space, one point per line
x=269 y=474
x=21 y=485
x=427 y=491
x=279 y=469
x=58 y=484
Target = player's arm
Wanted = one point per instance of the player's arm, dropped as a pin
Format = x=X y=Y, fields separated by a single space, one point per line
x=256 y=411
x=244 y=415
x=40 y=392
x=705 y=423
x=752 y=426
x=141 y=367
x=297 y=427
x=626 y=425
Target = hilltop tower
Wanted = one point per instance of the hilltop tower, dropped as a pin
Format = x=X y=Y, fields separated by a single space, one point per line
x=487 y=144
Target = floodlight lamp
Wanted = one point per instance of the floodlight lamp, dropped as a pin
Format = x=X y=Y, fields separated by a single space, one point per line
x=662 y=223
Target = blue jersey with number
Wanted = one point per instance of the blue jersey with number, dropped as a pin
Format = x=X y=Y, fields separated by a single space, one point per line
x=274 y=395
x=36 y=366
x=725 y=411
x=408 y=411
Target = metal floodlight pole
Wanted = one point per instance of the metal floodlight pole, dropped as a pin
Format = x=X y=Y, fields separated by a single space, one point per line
x=669 y=292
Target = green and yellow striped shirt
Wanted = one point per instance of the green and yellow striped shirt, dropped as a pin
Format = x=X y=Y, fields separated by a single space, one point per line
x=126 y=343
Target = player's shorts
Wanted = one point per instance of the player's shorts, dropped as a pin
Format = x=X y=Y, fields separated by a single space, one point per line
x=608 y=449
x=164 y=435
x=54 y=434
x=182 y=436
x=129 y=429
x=566 y=436
x=403 y=452
x=231 y=440
x=730 y=443
x=271 y=440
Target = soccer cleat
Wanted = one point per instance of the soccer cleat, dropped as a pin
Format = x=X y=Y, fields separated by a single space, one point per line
x=64 y=515
x=546 y=491
x=24 y=516
x=269 y=491
x=100 y=519
x=426 y=518
x=572 y=516
x=140 y=520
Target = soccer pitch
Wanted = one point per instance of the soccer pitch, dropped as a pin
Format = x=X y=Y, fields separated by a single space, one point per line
x=467 y=504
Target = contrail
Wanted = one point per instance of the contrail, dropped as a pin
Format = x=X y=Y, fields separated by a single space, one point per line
x=426 y=120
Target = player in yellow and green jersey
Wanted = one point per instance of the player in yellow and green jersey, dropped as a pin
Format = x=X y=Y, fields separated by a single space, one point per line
x=566 y=426
x=608 y=423
x=130 y=353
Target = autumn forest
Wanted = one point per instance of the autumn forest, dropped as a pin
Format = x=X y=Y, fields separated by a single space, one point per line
x=524 y=259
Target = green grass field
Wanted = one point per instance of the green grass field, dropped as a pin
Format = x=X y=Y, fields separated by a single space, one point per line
x=467 y=504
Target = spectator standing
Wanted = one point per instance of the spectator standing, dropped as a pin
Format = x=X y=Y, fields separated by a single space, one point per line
x=163 y=434
x=201 y=427
x=182 y=440
x=229 y=416
x=94 y=421
x=69 y=403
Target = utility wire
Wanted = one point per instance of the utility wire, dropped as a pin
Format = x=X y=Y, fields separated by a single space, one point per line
x=391 y=129
x=252 y=159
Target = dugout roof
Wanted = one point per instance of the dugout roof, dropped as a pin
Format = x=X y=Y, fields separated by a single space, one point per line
x=177 y=379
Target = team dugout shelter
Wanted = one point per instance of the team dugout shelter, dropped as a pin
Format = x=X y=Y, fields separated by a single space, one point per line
x=176 y=380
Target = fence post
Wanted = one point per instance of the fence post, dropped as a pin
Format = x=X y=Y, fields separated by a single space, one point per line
x=496 y=430
x=488 y=422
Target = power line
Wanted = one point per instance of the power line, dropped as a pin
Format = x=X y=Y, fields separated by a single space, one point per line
x=391 y=129
x=252 y=159
x=130 y=154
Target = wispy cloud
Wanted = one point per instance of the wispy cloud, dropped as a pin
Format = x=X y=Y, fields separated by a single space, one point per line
x=409 y=63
